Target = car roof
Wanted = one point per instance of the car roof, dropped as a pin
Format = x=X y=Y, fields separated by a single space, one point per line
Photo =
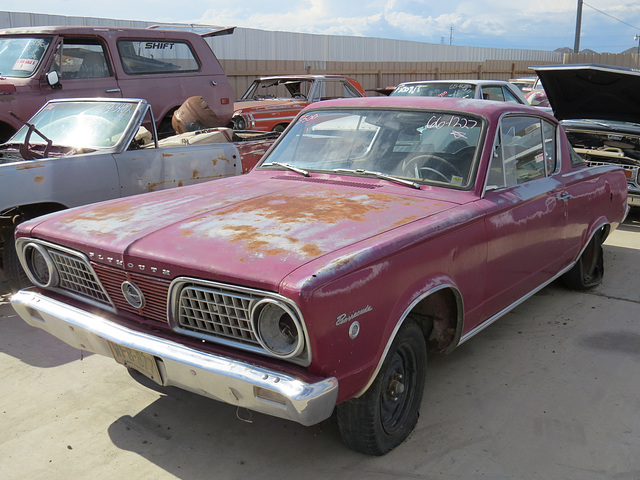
x=487 y=108
x=589 y=91
x=298 y=77
x=473 y=81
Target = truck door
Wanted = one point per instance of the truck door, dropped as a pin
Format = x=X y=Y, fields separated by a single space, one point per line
x=84 y=68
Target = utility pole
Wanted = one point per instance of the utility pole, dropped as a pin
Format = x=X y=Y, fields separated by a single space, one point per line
x=576 y=44
x=451 y=36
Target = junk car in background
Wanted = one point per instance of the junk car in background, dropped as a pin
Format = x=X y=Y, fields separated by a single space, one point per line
x=599 y=108
x=78 y=151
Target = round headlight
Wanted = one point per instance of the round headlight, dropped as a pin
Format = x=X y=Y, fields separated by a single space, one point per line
x=239 y=123
x=40 y=267
x=277 y=328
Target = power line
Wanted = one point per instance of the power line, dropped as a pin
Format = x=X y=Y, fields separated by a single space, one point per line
x=611 y=16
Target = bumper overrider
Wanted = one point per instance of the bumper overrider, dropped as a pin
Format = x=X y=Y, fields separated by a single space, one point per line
x=215 y=376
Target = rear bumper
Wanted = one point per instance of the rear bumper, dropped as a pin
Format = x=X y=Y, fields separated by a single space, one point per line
x=221 y=378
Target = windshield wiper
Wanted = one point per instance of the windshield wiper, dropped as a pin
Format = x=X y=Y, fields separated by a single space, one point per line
x=384 y=176
x=287 y=166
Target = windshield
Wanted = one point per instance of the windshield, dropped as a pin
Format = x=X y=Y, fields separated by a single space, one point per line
x=278 y=89
x=80 y=124
x=420 y=146
x=441 y=89
x=20 y=56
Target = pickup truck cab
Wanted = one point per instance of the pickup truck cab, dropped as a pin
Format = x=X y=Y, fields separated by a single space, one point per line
x=165 y=67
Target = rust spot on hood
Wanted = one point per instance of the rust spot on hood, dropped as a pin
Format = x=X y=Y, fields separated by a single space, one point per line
x=316 y=208
x=38 y=179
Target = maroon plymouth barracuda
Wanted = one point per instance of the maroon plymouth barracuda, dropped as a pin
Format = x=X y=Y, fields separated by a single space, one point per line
x=375 y=232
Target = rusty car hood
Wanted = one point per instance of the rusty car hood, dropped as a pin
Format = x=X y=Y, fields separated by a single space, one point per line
x=254 y=229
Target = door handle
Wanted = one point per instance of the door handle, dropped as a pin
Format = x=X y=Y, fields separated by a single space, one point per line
x=113 y=90
x=564 y=197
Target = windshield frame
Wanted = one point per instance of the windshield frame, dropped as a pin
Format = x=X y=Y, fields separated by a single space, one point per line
x=277 y=158
x=41 y=120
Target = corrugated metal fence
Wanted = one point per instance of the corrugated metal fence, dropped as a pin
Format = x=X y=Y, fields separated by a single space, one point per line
x=374 y=62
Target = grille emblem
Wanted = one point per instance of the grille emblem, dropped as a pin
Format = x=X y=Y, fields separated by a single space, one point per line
x=132 y=294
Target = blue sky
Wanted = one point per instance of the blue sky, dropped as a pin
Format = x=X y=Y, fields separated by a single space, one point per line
x=607 y=25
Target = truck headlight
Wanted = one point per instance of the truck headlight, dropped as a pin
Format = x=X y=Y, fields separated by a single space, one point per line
x=39 y=266
x=277 y=328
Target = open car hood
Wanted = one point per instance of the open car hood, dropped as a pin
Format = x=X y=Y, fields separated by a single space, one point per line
x=592 y=92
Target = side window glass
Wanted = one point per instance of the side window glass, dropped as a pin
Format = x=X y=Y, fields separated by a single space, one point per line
x=492 y=93
x=550 y=150
x=496 y=177
x=519 y=152
x=510 y=97
x=151 y=56
x=81 y=58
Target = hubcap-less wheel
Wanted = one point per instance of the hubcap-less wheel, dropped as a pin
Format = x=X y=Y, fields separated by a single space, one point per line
x=384 y=416
x=589 y=270
x=396 y=399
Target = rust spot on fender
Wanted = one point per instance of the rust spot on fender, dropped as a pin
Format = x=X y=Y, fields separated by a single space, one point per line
x=166 y=155
x=195 y=173
x=38 y=179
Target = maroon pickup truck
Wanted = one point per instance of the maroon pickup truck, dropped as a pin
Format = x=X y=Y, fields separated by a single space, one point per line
x=374 y=232
x=165 y=67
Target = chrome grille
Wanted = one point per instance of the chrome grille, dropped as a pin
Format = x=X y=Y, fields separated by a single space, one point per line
x=77 y=276
x=216 y=312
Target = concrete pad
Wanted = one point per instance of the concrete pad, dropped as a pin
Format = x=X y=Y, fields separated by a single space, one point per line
x=550 y=391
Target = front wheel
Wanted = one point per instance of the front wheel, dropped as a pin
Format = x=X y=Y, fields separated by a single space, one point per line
x=589 y=270
x=384 y=416
x=13 y=271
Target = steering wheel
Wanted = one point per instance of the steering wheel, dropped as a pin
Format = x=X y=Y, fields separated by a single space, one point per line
x=300 y=95
x=25 y=147
x=412 y=167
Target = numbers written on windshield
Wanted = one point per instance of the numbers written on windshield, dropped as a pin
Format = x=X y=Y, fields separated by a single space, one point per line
x=451 y=121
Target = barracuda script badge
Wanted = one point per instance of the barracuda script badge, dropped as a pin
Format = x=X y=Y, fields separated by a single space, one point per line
x=344 y=318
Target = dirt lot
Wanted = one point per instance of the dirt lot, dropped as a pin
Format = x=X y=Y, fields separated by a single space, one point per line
x=548 y=392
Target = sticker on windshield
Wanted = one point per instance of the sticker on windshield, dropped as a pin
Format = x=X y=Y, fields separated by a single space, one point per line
x=25 y=64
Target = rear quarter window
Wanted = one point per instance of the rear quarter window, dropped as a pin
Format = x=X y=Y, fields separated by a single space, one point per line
x=157 y=56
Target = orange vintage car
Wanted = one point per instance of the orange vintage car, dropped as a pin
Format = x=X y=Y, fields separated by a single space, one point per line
x=270 y=103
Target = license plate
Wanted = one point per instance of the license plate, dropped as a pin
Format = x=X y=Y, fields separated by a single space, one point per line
x=143 y=362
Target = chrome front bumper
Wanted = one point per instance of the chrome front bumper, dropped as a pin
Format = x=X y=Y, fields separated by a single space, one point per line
x=221 y=378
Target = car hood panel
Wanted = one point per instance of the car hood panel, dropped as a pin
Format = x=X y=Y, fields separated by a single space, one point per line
x=258 y=228
x=592 y=92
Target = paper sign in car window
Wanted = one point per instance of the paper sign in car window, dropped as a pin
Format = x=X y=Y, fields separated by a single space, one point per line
x=25 y=64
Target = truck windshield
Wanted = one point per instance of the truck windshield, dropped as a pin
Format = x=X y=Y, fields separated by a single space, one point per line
x=20 y=56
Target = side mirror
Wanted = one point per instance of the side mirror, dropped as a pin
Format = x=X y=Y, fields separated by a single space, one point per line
x=53 y=79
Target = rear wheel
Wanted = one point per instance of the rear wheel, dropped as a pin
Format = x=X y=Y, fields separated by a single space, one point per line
x=385 y=415
x=589 y=270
